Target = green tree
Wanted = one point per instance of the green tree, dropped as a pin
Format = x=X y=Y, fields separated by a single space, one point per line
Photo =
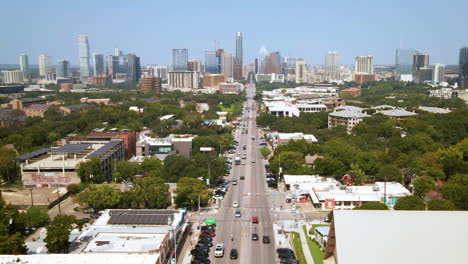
x=177 y=167
x=150 y=192
x=12 y=245
x=413 y=203
x=58 y=234
x=100 y=197
x=372 y=206
x=124 y=170
x=456 y=190
x=441 y=205
x=357 y=173
x=389 y=172
x=9 y=170
x=38 y=216
x=152 y=166
x=91 y=171
x=290 y=162
x=188 y=191
x=423 y=185
x=265 y=152
x=329 y=166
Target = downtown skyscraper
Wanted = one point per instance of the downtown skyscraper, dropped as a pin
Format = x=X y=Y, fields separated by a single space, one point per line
x=179 y=59
x=332 y=66
x=24 y=65
x=463 y=64
x=83 y=47
x=44 y=65
x=98 y=64
x=404 y=61
x=63 y=69
x=239 y=57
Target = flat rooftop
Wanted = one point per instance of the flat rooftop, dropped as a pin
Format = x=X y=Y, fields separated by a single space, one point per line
x=127 y=243
x=79 y=259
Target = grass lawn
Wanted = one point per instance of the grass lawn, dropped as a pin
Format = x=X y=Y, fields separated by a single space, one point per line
x=296 y=238
x=315 y=251
x=312 y=230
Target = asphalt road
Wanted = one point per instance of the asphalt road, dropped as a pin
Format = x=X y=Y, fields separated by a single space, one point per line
x=251 y=196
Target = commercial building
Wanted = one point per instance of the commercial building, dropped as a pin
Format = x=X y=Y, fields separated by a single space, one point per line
x=147 y=146
x=12 y=77
x=420 y=61
x=332 y=66
x=239 y=57
x=183 y=80
x=435 y=110
x=261 y=59
x=271 y=78
x=230 y=88
x=179 y=59
x=150 y=83
x=300 y=72
x=424 y=75
x=129 y=138
x=364 y=64
x=63 y=69
x=194 y=65
x=11 y=89
x=44 y=65
x=353 y=91
x=83 y=47
x=38 y=109
x=438 y=73
x=213 y=80
x=284 y=138
x=133 y=68
x=272 y=63
x=463 y=64
x=98 y=64
x=362 y=78
x=281 y=109
x=347 y=116
x=102 y=80
x=24 y=65
x=67 y=110
x=58 y=166
x=404 y=61
x=373 y=236
x=227 y=65
x=400 y=114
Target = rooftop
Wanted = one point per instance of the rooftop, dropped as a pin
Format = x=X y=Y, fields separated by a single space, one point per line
x=435 y=110
x=410 y=241
x=39 y=106
x=297 y=136
x=125 y=243
x=78 y=259
x=349 y=114
x=397 y=113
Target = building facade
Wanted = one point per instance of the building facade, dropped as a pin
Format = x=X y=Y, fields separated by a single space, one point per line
x=364 y=64
x=98 y=64
x=24 y=65
x=463 y=64
x=300 y=71
x=213 y=80
x=194 y=65
x=150 y=83
x=183 y=79
x=44 y=65
x=63 y=68
x=439 y=73
x=404 y=61
x=332 y=66
x=11 y=77
x=227 y=64
x=83 y=46
x=179 y=59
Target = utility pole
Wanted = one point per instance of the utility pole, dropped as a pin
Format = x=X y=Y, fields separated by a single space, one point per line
x=58 y=196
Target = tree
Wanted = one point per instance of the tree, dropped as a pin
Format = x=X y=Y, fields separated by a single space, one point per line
x=413 y=203
x=150 y=192
x=8 y=169
x=100 y=197
x=73 y=188
x=456 y=190
x=58 y=233
x=290 y=162
x=357 y=173
x=265 y=152
x=372 y=206
x=188 y=192
x=12 y=245
x=441 y=205
x=423 y=185
x=329 y=166
x=152 y=166
x=124 y=170
x=177 y=167
x=37 y=216
x=389 y=172
x=91 y=171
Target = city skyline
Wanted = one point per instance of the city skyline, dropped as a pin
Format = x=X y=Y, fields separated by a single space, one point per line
x=442 y=39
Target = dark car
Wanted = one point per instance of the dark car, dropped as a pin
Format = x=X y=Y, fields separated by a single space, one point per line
x=285 y=251
x=202 y=246
x=207 y=237
x=242 y=177
x=234 y=254
x=205 y=242
x=203 y=260
x=266 y=240
x=288 y=261
x=209 y=228
x=199 y=252
x=254 y=236
x=209 y=233
x=285 y=255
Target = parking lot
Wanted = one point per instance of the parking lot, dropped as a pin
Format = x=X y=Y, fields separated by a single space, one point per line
x=40 y=196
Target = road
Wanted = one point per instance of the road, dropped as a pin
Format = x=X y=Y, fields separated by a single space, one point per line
x=251 y=196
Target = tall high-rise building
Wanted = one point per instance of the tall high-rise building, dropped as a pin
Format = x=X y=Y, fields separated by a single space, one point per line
x=63 y=68
x=213 y=61
x=194 y=65
x=420 y=61
x=117 y=52
x=227 y=64
x=83 y=47
x=133 y=68
x=179 y=59
x=44 y=65
x=364 y=64
x=438 y=73
x=11 y=77
x=272 y=63
x=463 y=63
x=98 y=64
x=24 y=65
x=300 y=71
x=262 y=56
x=404 y=61
x=332 y=66
x=239 y=57
x=112 y=65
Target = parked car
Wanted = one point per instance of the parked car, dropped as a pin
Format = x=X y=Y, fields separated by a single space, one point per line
x=199 y=252
x=219 y=250
x=218 y=197
x=234 y=254
x=205 y=242
x=237 y=213
x=254 y=236
x=235 y=204
x=288 y=261
x=266 y=240
x=88 y=211
x=234 y=182
x=94 y=216
x=203 y=260
x=254 y=219
x=207 y=237
x=211 y=234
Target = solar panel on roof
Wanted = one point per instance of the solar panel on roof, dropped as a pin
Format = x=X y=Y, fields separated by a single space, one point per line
x=141 y=217
x=33 y=154
x=71 y=148
x=104 y=149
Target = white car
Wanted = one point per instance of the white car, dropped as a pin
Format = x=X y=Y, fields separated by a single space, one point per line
x=235 y=204
x=219 y=250
x=218 y=197
x=234 y=182
x=243 y=163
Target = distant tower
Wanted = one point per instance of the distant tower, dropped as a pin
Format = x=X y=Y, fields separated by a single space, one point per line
x=463 y=63
x=439 y=73
x=24 y=65
x=364 y=64
x=332 y=66
x=83 y=47
x=300 y=71
x=44 y=65
x=262 y=56
x=179 y=59
x=98 y=64
x=404 y=61
x=63 y=68
x=227 y=64
x=239 y=57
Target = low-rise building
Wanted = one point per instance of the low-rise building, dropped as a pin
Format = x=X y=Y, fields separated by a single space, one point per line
x=281 y=109
x=213 y=80
x=11 y=117
x=38 y=109
x=271 y=78
x=284 y=138
x=353 y=92
x=67 y=110
x=49 y=167
x=148 y=146
x=400 y=114
x=230 y=88
x=104 y=101
x=347 y=116
x=362 y=78
x=435 y=110
x=11 y=89
x=128 y=136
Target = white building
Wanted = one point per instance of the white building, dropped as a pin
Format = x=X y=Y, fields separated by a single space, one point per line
x=398 y=113
x=284 y=138
x=83 y=47
x=272 y=77
x=185 y=79
x=435 y=110
x=10 y=77
x=439 y=73
x=281 y=109
x=347 y=116
x=364 y=64
x=300 y=71
x=227 y=64
x=332 y=66
x=44 y=65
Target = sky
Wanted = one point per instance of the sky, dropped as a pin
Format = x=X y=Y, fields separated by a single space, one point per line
x=298 y=28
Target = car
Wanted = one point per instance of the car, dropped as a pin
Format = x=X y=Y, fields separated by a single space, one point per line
x=88 y=211
x=327 y=219
x=211 y=234
x=94 y=216
x=242 y=177
x=209 y=228
x=253 y=138
x=86 y=220
x=243 y=163
x=218 y=197
x=234 y=253
x=202 y=247
x=234 y=182
x=237 y=213
x=285 y=250
x=254 y=219
x=235 y=204
x=207 y=237
x=199 y=252
x=254 y=236
x=203 y=260
x=288 y=261
x=205 y=242
x=253 y=161
x=266 y=240
x=219 y=250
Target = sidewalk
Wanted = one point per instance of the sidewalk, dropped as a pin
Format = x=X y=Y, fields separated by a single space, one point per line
x=305 y=247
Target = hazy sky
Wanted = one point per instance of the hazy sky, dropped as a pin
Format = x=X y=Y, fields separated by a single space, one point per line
x=298 y=28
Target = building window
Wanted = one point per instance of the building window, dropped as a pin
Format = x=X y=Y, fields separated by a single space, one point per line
x=347 y=203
